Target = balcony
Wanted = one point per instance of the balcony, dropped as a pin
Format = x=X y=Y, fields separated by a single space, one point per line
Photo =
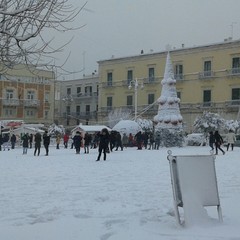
x=207 y=104
x=108 y=84
x=233 y=103
x=80 y=115
x=234 y=71
x=11 y=102
x=206 y=74
x=85 y=95
x=31 y=103
x=178 y=76
x=151 y=80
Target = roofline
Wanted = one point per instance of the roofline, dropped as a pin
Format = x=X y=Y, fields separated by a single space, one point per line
x=225 y=42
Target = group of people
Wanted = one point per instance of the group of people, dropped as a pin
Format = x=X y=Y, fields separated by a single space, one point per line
x=215 y=139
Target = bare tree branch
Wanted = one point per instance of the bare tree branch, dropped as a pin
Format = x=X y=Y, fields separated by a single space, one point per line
x=22 y=29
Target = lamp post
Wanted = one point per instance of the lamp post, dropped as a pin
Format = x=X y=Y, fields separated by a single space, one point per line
x=135 y=83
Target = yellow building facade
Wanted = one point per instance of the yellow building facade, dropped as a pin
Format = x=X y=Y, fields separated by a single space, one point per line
x=208 y=79
x=27 y=93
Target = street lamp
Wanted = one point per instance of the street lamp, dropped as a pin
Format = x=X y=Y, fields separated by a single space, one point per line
x=135 y=83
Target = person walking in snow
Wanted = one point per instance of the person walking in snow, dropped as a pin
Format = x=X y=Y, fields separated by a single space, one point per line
x=139 y=140
x=231 y=138
x=6 y=143
x=151 y=141
x=211 y=140
x=125 y=140
x=46 y=142
x=104 y=137
x=119 y=141
x=65 y=140
x=87 y=141
x=25 y=143
x=13 y=140
x=58 y=140
x=218 y=142
x=37 y=140
x=77 y=142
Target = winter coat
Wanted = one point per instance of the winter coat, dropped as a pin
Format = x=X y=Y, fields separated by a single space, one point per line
x=104 y=140
x=65 y=138
x=231 y=138
x=218 y=138
x=77 y=139
x=87 y=139
x=25 y=141
x=13 y=138
x=125 y=139
x=211 y=139
x=5 y=138
x=46 y=139
x=38 y=139
x=58 y=139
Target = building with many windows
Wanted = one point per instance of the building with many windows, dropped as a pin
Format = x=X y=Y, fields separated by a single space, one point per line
x=27 y=93
x=208 y=79
x=78 y=101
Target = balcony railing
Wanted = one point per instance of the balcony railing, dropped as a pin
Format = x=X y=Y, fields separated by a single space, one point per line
x=11 y=102
x=31 y=102
x=85 y=95
x=234 y=71
x=233 y=103
x=80 y=115
x=206 y=74
x=178 y=76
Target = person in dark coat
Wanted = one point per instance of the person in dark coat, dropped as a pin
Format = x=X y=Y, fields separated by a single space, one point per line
x=13 y=140
x=77 y=142
x=46 y=142
x=119 y=141
x=30 y=140
x=1 y=141
x=37 y=140
x=87 y=141
x=5 y=141
x=139 y=140
x=25 y=143
x=218 y=142
x=211 y=140
x=104 y=137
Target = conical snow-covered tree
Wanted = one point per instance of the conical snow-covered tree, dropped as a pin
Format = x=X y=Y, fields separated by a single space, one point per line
x=169 y=119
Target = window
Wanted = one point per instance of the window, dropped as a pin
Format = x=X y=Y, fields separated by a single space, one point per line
x=109 y=102
x=87 y=109
x=109 y=79
x=9 y=93
x=9 y=112
x=69 y=91
x=129 y=100
x=88 y=90
x=30 y=113
x=151 y=98
x=207 y=69
x=151 y=74
x=207 y=66
x=236 y=94
x=206 y=98
x=78 y=91
x=78 y=111
x=46 y=96
x=129 y=76
x=179 y=95
x=236 y=65
x=68 y=110
x=236 y=62
x=30 y=95
x=179 y=72
x=46 y=114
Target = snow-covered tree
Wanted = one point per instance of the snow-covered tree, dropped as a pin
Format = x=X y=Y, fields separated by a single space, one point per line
x=118 y=114
x=56 y=129
x=232 y=125
x=22 y=25
x=209 y=122
x=145 y=124
x=169 y=119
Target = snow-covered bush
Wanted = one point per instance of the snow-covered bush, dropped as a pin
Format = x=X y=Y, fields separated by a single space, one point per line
x=118 y=114
x=56 y=129
x=208 y=122
x=196 y=139
x=171 y=137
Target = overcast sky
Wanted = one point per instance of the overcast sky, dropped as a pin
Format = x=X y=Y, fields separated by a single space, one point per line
x=125 y=27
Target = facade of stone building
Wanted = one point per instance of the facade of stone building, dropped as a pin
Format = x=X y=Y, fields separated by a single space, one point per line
x=208 y=79
x=27 y=93
x=78 y=101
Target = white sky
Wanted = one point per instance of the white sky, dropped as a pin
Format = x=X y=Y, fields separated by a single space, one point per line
x=121 y=28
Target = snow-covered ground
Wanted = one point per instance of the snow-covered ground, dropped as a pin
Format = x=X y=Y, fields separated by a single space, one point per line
x=67 y=197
